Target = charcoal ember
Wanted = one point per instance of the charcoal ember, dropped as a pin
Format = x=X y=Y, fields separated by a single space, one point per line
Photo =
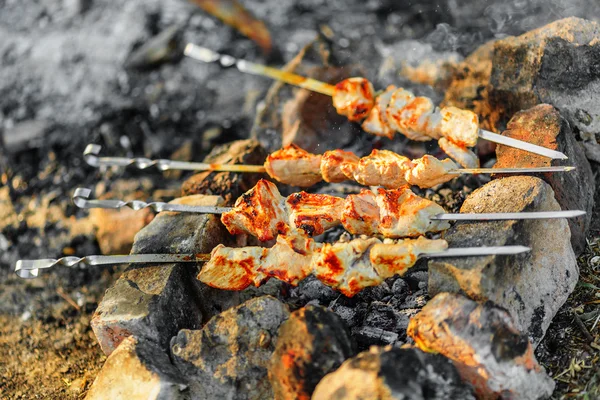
x=544 y=126
x=230 y=185
x=350 y=315
x=367 y=336
x=313 y=289
x=312 y=343
x=531 y=286
x=229 y=357
x=156 y=301
x=400 y=288
x=137 y=369
x=485 y=346
x=417 y=280
x=550 y=65
x=393 y=373
x=382 y=316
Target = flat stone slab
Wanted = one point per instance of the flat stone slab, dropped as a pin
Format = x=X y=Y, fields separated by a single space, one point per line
x=531 y=286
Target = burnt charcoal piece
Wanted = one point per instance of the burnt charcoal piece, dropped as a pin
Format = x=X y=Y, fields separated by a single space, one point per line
x=228 y=358
x=313 y=289
x=487 y=349
x=367 y=336
x=394 y=374
x=312 y=343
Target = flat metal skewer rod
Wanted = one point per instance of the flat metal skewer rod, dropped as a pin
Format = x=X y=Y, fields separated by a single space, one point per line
x=209 y=56
x=29 y=269
x=81 y=200
x=92 y=152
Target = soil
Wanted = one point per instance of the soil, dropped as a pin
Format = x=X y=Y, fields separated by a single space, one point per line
x=63 y=67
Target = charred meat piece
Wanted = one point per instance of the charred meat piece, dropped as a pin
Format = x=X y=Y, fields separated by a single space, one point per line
x=294 y=166
x=404 y=214
x=314 y=213
x=380 y=168
x=354 y=98
x=346 y=266
x=259 y=212
x=360 y=215
x=331 y=163
x=377 y=123
x=461 y=155
x=428 y=172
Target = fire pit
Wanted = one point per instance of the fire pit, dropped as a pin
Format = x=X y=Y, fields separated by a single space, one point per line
x=308 y=285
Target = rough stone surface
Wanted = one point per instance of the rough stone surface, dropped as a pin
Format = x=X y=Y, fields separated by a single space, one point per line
x=487 y=349
x=229 y=185
x=228 y=358
x=137 y=369
x=311 y=343
x=392 y=373
x=156 y=301
x=554 y=64
x=531 y=286
x=543 y=125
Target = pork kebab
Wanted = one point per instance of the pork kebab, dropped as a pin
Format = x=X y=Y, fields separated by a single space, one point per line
x=347 y=266
x=264 y=213
x=393 y=110
x=294 y=166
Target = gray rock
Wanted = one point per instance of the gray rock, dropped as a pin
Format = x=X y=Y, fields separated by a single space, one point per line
x=392 y=373
x=137 y=369
x=156 y=301
x=531 y=286
x=228 y=358
x=544 y=126
x=311 y=343
x=485 y=346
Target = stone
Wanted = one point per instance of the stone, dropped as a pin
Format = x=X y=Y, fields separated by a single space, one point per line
x=393 y=373
x=230 y=185
x=312 y=343
x=531 y=286
x=229 y=357
x=574 y=190
x=156 y=301
x=554 y=64
x=115 y=229
x=485 y=346
x=137 y=369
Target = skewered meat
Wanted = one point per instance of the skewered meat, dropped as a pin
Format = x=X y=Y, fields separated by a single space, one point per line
x=392 y=213
x=259 y=212
x=380 y=168
x=348 y=267
x=404 y=214
x=398 y=110
x=331 y=163
x=377 y=122
x=314 y=213
x=428 y=171
x=354 y=98
x=360 y=214
x=294 y=166
x=461 y=155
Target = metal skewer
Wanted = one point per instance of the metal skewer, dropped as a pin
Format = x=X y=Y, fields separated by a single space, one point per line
x=29 y=269
x=208 y=56
x=81 y=200
x=92 y=152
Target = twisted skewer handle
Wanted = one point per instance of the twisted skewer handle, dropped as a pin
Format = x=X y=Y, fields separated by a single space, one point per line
x=29 y=269
x=81 y=200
